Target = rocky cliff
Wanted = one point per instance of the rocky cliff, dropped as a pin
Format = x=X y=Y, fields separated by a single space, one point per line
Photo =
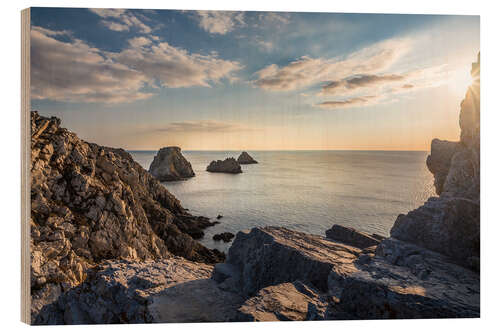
x=169 y=164
x=450 y=223
x=91 y=203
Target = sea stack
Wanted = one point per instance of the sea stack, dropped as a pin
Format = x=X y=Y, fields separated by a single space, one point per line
x=229 y=165
x=245 y=158
x=169 y=165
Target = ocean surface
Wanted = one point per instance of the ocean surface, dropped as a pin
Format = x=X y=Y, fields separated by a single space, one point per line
x=307 y=191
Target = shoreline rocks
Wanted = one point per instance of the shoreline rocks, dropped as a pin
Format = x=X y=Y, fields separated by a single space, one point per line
x=225 y=237
x=169 y=165
x=245 y=158
x=393 y=280
x=351 y=236
x=229 y=165
x=92 y=203
x=123 y=292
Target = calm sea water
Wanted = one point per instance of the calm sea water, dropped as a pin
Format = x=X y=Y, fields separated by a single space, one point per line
x=304 y=190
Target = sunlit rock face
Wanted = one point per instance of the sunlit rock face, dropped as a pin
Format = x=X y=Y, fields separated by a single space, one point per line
x=169 y=165
x=450 y=224
x=91 y=203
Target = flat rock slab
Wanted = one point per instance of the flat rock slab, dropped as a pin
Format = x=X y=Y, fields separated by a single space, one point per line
x=169 y=290
x=404 y=281
x=284 y=302
x=273 y=255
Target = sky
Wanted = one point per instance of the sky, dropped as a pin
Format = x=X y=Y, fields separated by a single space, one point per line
x=220 y=80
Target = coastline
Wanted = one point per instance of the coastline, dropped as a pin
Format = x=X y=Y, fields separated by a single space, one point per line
x=86 y=269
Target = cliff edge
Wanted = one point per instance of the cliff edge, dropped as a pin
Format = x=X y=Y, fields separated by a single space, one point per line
x=450 y=224
x=91 y=203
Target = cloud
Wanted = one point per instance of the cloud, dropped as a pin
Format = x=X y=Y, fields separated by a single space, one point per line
x=275 y=18
x=115 y=26
x=360 y=81
x=75 y=71
x=201 y=126
x=220 y=22
x=139 y=41
x=266 y=46
x=120 y=20
x=306 y=70
x=383 y=88
x=351 y=102
x=175 y=67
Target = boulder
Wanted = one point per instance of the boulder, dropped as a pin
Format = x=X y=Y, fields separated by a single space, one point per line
x=439 y=161
x=445 y=225
x=351 y=236
x=272 y=255
x=229 y=165
x=245 y=158
x=169 y=165
x=169 y=290
x=396 y=280
x=403 y=281
x=225 y=237
x=284 y=302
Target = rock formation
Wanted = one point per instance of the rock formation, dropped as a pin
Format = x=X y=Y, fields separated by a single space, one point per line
x=225 y=237
x=168 y=290
x=450 y=224
x=245 y=158
x=91 y=203
x=169 y=164
x=229 y=165
x=351 y=236
x=393 y=280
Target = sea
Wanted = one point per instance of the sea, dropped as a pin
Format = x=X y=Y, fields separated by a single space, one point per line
x=307 y=191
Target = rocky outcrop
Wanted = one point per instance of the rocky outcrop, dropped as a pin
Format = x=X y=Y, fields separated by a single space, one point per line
x=403 y=281
x=169 y=165
x=351 y=236
x=168 y=290
x=245 y=158
x=274 y=267
x=224 y=236
x=284 y=302
x=91 y=203
x=272 y=255
x=450 y=224
x=229 y=165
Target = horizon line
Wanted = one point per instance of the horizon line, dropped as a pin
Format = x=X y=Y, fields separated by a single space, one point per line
x=275 y=150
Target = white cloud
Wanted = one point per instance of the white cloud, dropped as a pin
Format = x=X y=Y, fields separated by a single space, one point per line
x=120 y=20
x=115 y=26
x=74 y=71
x=175 y=67
x=108 y=12
x=139 y=41
x=220 y=22
x=275 y=18
x=307 y=71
